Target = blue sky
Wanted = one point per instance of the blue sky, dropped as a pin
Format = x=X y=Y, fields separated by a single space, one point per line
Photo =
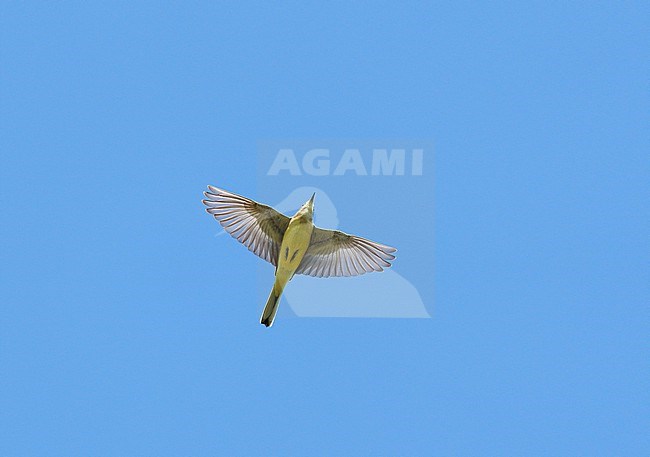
x=127 y=328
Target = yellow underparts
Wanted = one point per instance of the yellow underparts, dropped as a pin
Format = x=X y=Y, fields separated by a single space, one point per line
x=294 y=245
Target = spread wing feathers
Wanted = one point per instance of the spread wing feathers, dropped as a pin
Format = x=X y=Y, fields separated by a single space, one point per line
x=334 y=253
x=258 y=227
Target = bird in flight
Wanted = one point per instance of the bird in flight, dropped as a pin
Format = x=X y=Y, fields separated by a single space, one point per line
x=293 y=244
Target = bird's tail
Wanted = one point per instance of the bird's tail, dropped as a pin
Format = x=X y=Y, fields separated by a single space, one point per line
x=268 y=315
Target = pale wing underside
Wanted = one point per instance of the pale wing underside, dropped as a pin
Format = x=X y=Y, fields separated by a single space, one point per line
x=258 y=227
x=334 y=253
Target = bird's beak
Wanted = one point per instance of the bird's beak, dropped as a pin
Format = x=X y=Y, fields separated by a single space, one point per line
x=310 y=202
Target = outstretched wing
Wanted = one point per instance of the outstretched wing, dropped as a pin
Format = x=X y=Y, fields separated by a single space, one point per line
x=334 y=253
x=258 y=227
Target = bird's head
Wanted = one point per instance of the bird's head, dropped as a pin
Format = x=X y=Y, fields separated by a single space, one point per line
x=307 y=209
